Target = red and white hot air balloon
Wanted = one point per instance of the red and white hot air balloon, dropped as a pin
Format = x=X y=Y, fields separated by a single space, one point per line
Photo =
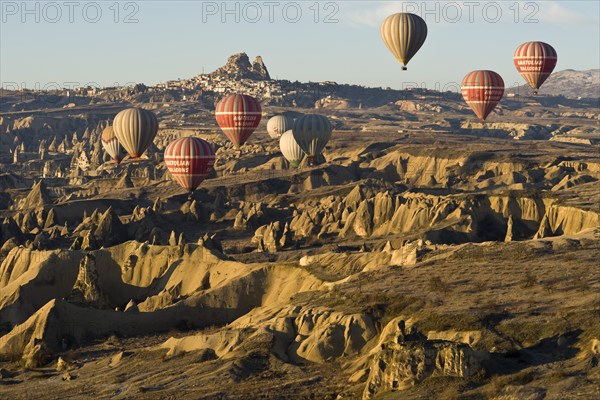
x=482 y=90
x=189 y=161
x=238 y=115
x=535 y=61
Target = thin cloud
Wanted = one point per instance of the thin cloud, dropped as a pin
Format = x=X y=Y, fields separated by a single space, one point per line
x=552 y=12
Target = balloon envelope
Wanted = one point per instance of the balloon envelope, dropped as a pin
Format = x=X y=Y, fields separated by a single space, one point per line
x=111 y=144
x=312 y=132
x=535 y=61
x=290 y=149
x=189 y=161
x=482 y=90
x=278 y=125
x=135 y=128
x=404 y=34
x=238 y=115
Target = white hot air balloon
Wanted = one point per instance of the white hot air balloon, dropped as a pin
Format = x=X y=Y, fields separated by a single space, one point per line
x=278 y=125
x=290 y=149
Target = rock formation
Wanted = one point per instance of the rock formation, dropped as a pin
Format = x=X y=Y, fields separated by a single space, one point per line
x=398 y=366
x=37 y=197
x=109 y=230
x=281 y=282
x=125 y=181
x=238 y=67
x=87 y=289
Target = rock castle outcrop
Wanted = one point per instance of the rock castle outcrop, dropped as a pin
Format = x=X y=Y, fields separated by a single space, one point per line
x=239 y=67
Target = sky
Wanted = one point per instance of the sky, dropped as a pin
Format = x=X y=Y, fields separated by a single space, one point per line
x=103 y=43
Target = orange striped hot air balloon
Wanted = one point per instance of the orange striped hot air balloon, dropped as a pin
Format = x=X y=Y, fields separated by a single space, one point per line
x=238 y=115
x=535 y=61
x=135 y=128
x=111 y=144
x=404 y=34
x=189 y=161
x=482 y=90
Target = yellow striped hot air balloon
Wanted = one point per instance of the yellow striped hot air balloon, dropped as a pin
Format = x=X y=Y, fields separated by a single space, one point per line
x=290 y=149
x=135 y=128
x=312 y=132
x=111 y=144
x=404 y=34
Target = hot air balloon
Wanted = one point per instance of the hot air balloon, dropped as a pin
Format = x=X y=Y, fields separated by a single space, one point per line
x=189 y=161
x=535 y=61
x=278 y=125
x=135 y=128
x=111 y=144
x=290 y=149
x=312 y=132
x=482 y=90
x=238 y=115
x=404 y=34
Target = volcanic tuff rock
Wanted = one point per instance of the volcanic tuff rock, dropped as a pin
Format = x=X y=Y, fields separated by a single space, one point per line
x=10 y=229
x=87 y=289
x=300 y=334
x=517 y=131
x=37 y=197
x=238 y=67
x=398 y=366
x=271 y=237
x=125 y=181
x=409 y=189
x=89 y=242
x=109 y=230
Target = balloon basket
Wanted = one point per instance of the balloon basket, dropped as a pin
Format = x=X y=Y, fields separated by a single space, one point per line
x=404 y=69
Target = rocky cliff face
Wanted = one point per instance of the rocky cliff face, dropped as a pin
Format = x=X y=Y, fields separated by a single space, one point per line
x=239 y=67
x=398 y=366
